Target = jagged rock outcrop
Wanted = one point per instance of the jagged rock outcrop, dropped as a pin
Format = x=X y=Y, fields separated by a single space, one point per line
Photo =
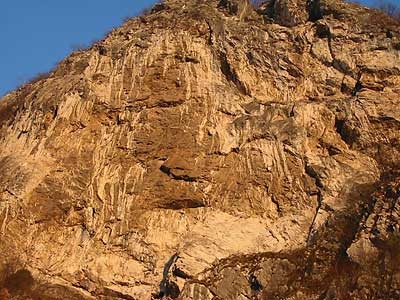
x=209 y=150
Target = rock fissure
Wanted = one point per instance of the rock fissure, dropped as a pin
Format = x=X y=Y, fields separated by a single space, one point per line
x=312 y=229
x=230 y=74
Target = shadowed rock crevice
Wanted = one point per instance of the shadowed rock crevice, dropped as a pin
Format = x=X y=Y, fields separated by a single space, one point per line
x=173 y=174
x=111 y=294
x=315 y=10
x=168 y=288
x=177 y=204
x=348 y=134
x=231 y=75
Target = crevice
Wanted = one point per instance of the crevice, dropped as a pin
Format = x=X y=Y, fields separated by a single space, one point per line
x=347 y=134
x=170 y=172
x=292 y=111
x=323 y=31
x=311 y=230
x=231 y=75
x=230 y=6
x=313 y=174
x=184 y=177
x=315 y=11
x=22 y=132
x=110 y=293
x=331 y=50
x=210 y=34
x=255 y=285
x=268 y=9
x=168 y=288
x=187 y=58
x=178 y=204
x=343 y=86
x=165 y=103
x=11 y=193
x=278 y=207
x=358 y=86
x=181 y=274
x=165 y=170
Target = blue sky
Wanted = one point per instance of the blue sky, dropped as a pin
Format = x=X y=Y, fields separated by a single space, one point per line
x=36 y=34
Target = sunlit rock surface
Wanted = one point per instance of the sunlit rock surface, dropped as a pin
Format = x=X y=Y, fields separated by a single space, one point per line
x=209 y=150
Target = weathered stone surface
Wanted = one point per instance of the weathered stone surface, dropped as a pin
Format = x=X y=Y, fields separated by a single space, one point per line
x=209 y=151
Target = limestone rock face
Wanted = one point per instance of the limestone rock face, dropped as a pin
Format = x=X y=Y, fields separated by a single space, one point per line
x=209 y=150
x=290 y=13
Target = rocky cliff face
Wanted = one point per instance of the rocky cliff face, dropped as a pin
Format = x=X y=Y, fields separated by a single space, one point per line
x=209 y=150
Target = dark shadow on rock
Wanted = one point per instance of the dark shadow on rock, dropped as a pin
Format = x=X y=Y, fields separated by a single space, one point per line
x=20 y=281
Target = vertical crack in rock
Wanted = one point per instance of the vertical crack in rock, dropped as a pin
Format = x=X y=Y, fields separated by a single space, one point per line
x=358 y=85
x=315 y=10
x=231 y=75
x=312 y=229
x=169 y=288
